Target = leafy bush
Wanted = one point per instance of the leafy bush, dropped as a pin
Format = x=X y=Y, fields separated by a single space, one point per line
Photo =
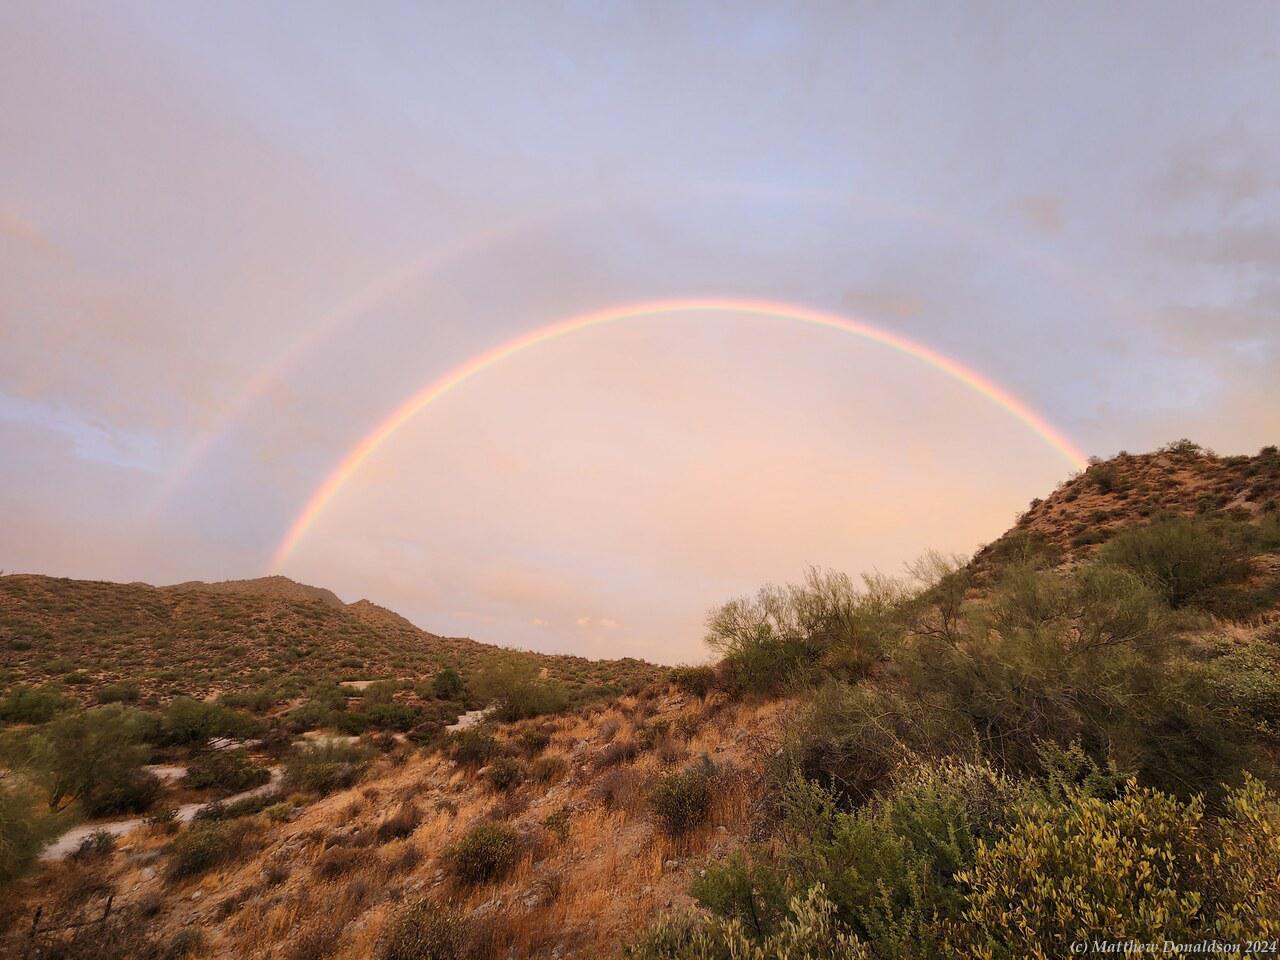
x=473 y=747
x=96 y=757
x=325 y=767
x=697 y=681
x=777 y=636
x=24 y=829
x=809 y=932
x=229 y=770
x=420 y=930
x=96 y=845
x=750 y=891
x=206 y=844
x=682 y=801
x=517 y=692
x=506 y=773
x=32 y=704
x=1183 y=560
x=448 y=685
x=1043 y=882
x=122 y=692
x=187 y=721
x=486 y=852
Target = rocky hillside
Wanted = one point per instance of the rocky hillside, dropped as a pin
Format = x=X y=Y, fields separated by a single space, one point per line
x=199 y=639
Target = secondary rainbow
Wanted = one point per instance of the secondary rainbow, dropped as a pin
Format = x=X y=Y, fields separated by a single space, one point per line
x=424 y=397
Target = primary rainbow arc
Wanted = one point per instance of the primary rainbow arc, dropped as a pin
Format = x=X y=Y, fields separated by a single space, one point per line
x=424 y=397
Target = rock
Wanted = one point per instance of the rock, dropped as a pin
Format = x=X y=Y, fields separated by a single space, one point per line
x=197 y=895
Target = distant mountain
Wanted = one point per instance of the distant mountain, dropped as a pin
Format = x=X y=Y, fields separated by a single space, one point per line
x=200 y=638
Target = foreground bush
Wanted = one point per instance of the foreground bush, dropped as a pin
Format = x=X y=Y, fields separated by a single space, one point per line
x=188 y=721
x=487 y=852
x=694 y=680
x=810 y=932
x=96 y=757
x=325 y=767
x=420 y=930
x=1144 y=863
x=24 y=830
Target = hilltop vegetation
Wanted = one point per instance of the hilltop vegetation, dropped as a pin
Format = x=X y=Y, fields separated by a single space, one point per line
x=1073 y=735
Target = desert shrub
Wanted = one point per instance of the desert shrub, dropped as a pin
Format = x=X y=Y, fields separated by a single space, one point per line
x=96 y=757
x=309 y=716
x=188 y=721
x=777 y=636
x=697 y=681
x=850 y=740
x=486 y=852
x=532 y=741
x=122 y=692
x=393 y=716
x=421 y=930
x=325 y=767
x=207 y=844
x=682 y=801
x=1183 y=560
x=96 y=845
x=448 y=685
x=1043 y=883
x=32 y=704
x=517 y=692
x=810 y=931
x=24 y=829
x=748 y=890
x=473 y=747
x=506 y=773
x=229 y=770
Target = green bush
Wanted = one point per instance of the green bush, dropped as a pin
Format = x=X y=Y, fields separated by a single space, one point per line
x=229 y=770
x=517 y=692
x=325 y=766
x=123 y=692
x=207 y=844
x=486 y=852
x=682 y=801
x=1183 y=560
x=24 y=829
x=1144 y=863
x=33 y=704
x=506 y=773
x=186 y=721
x=810 y=931
x=421 y=930
x=96 y=757
x=448 y=685
x=776 y=637
x=697 y=681
x=473 y=747
x=749 y=890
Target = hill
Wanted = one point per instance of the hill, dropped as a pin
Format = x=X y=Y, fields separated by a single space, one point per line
x=236 y=637
x=920 y=768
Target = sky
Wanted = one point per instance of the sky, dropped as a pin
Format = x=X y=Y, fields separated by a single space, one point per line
x=235 y=238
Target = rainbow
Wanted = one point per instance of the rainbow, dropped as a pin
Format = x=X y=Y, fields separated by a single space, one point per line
x=434 y=390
